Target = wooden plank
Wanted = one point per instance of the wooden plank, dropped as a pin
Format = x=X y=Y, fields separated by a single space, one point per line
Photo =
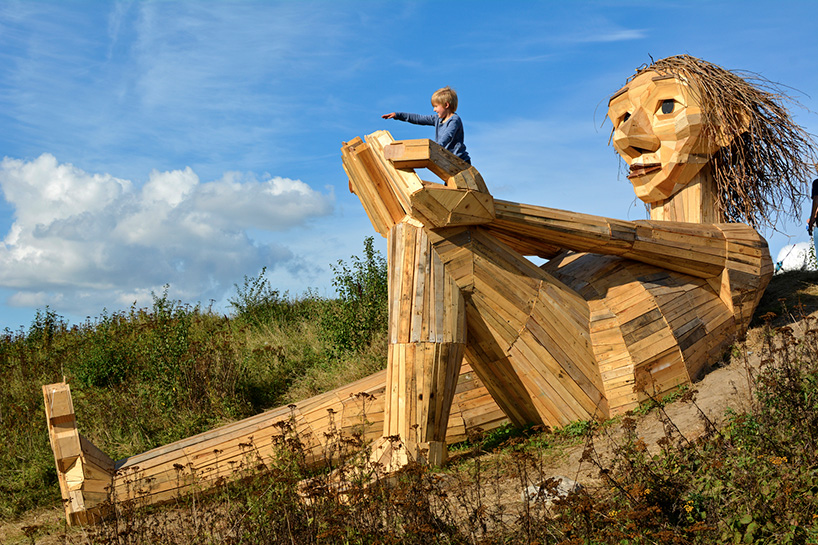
x=423 y=153
x=407 y=246
x=505 y=387
x=365 y=189
x=469 y=179
x=435 y=205
x=502 y=330
x=394 y=274
x=422 y=285
x=473 y=209
x=504 y=258
x=646 y=349
x=524 y=245
x=95 y=456
x=405 y=182
x=575 y=360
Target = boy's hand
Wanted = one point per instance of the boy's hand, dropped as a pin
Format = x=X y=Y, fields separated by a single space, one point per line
x=389 y=116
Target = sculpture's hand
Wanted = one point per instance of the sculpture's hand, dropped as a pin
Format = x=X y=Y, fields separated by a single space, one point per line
x=423 y=153
x=437 y=205
x=463 y=200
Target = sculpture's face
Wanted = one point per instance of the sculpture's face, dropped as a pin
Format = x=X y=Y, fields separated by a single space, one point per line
x=658 y=131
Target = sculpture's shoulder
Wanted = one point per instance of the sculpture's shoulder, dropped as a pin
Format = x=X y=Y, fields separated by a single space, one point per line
x=747 y=251
x=748 y=270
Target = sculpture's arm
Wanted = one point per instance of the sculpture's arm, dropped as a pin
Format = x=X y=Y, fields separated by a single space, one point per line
x=703 y=250
x=382 y=175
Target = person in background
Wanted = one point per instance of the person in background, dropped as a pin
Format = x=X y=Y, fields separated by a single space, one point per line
x=813 y=209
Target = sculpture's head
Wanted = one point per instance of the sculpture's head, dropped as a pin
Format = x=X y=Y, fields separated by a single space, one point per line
x=681 y=113
x=659 y=132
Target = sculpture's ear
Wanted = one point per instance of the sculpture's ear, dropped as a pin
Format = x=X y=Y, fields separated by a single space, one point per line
x=734 y=124
x=424 y=153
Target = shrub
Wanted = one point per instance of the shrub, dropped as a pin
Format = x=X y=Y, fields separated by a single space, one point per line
x=361 y=311
x=257 y=303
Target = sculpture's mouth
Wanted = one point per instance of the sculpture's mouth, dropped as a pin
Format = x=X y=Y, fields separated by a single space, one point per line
x=641 y=170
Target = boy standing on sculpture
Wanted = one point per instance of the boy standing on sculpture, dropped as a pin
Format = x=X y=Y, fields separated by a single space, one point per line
x=448 y=125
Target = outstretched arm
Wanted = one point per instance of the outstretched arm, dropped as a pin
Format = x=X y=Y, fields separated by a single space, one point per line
x=415 y=119
x=703 y=250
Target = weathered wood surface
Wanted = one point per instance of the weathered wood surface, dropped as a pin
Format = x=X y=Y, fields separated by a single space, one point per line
x=84 y=472
x=427 y=335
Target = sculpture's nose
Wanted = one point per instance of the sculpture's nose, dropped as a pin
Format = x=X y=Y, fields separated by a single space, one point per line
x=635 y=136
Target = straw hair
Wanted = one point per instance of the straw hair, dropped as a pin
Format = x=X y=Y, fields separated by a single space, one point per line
x=761 y=174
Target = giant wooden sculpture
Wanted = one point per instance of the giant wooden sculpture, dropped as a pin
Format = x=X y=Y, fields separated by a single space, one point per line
x=622 y=309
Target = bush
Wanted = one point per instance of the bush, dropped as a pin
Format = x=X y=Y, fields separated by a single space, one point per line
x=257 y=303
x=361 y=311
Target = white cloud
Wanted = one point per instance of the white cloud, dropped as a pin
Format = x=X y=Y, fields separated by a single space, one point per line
x=245 y=201
x=81 y=241
x=43 y=191
x=612 y=35
x=33 y=299
x=169 y=187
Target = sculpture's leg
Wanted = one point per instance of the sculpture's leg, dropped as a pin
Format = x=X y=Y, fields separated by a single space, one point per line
x=529 y=338
x=426 y=343
x=85 y=473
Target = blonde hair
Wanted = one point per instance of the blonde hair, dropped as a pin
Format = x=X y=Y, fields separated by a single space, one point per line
x=443 y=96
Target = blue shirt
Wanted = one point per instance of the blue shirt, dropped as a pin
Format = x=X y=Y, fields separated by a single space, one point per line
x=448 y=134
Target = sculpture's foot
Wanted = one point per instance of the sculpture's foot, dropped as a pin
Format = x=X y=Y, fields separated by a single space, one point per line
x=392 y=453
x=387 y=456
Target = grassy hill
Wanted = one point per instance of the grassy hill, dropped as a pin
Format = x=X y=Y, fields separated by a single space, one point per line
x=145 y=377
x=149 y=376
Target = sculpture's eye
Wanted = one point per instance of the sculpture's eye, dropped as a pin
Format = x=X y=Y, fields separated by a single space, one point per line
x=668 y=105
x=625 y=117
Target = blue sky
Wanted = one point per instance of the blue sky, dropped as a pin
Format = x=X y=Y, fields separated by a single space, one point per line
x=189 y=144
